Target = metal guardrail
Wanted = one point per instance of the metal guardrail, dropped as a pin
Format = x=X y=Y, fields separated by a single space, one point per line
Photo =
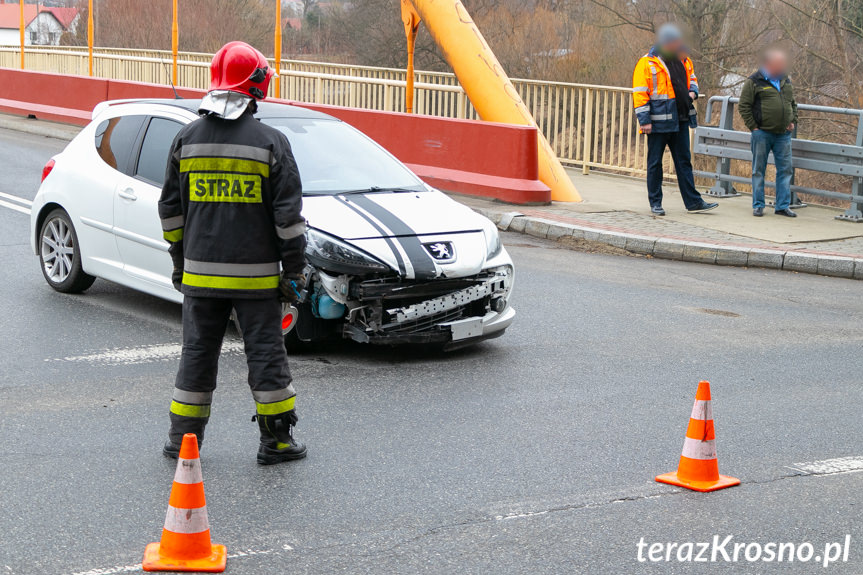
x=588 y=126
x=726 y=144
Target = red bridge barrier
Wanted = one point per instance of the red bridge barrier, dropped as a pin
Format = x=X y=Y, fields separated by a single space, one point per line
x=462 y=156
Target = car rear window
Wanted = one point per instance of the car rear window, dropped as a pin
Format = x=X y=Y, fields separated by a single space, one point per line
x=115 y=139
x=155 y=149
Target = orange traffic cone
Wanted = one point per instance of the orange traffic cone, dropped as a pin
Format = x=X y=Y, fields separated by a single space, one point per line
x=699 y=469
x=186 y=542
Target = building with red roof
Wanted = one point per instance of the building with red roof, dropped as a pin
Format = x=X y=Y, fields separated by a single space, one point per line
x=67 y=17
x=43 y=24
x=294 y=23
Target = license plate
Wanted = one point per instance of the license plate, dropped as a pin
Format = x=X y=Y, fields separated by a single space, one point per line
x=465 y=328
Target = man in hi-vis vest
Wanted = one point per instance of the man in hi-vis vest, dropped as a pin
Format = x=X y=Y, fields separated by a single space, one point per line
x=665 y=87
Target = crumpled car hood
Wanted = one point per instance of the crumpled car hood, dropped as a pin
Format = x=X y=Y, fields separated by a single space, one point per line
x=404 y=230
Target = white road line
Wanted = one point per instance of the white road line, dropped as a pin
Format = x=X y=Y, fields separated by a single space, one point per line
x=16 y=199
x=137 y=567
x=111 y=570
x=519 y=515
x=251 y=552
x=851 y=464
x=143 y=354
x=15 y=207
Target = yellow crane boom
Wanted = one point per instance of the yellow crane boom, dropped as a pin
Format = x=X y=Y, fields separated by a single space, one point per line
x=489 y=88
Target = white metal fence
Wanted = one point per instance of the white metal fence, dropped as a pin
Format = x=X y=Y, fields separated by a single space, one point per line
x=588 y=126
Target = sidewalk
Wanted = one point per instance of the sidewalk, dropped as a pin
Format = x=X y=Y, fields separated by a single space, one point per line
x=615 y=212
x=38 y=127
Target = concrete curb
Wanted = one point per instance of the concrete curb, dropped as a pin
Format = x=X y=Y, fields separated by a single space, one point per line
x=680 y=249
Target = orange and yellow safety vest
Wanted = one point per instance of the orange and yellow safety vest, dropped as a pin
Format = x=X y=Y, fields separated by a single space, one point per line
x=653 y=95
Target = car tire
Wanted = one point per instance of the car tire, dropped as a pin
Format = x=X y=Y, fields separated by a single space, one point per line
x=60 y=254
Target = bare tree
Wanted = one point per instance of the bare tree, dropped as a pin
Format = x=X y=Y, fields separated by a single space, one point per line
x=723 y=34
x=590 y=41
x=828 y=39
x=205 y=25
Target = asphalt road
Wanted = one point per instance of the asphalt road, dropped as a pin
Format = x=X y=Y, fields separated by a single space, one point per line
x=533 y=453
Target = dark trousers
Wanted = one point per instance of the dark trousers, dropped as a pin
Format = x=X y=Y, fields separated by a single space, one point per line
x=204 y=324
x=678 y=143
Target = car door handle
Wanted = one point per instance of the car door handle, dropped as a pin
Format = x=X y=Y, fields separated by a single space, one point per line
x=128 y=194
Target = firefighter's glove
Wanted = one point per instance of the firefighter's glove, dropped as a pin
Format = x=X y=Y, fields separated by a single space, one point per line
x=291 y=286
x=177 y=278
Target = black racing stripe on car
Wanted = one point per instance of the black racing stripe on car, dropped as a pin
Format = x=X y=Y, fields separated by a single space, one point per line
x=383 y=232
x=424 y=267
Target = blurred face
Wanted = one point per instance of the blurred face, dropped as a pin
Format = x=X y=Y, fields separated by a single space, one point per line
x=673 y=47
x=776 y=63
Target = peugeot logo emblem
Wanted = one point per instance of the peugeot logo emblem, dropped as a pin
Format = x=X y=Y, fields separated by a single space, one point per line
x=441 y=251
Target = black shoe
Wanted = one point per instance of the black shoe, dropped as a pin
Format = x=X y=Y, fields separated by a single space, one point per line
x=271 y=452
x=704 y=207
x=786 y=212
x=170 y=450
x=277 y=438
x=758 y=212
x=657 y=211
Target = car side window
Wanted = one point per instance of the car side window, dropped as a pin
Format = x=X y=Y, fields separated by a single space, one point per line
x=115 y=139
x=153 y=159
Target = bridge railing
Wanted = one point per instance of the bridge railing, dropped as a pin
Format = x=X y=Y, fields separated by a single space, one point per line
x=726 y=144
x=588 y=126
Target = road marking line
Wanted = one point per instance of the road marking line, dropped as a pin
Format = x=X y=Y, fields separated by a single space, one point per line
x=143 y=354
x=509 y=516
x=250 y=552
x=16 y=199
x=850 y=464
x=137 y=567
x=111 y=570
x=15 y=207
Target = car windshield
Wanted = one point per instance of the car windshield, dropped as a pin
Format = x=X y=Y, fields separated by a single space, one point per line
x=333 y=158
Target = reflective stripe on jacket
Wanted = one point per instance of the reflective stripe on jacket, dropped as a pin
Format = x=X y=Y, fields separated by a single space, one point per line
x=231 y=207
x=653 y=95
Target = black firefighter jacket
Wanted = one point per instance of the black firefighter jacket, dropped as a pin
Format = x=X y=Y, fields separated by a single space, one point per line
x=230 y=208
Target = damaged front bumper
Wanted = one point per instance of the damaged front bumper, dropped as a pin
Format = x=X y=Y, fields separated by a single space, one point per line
x=448 y=312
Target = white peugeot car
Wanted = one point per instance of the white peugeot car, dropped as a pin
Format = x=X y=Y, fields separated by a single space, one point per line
x=390 y=259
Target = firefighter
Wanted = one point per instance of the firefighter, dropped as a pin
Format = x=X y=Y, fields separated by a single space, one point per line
x=664 y=89
x=230 y=209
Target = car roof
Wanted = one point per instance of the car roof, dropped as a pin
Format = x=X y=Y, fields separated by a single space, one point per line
x=265 y=109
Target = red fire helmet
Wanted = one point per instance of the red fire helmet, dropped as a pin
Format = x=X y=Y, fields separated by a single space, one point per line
x=241 y=68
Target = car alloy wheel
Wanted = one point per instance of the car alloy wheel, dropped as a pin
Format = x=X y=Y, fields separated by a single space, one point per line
x=60 y=255
x=58 y=250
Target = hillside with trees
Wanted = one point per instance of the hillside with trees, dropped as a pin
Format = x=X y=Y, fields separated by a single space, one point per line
x=589 y=41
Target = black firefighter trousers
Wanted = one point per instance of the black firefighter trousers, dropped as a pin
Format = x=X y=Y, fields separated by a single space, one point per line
x=204 y=323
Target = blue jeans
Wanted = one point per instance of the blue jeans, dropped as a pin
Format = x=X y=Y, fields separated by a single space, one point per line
x=780 y=144
x=678 y=143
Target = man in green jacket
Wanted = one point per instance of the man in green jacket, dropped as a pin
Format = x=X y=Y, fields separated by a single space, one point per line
x=768 y=109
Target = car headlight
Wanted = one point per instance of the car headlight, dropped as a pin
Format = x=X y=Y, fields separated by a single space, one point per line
x=492 y=238
x=326 y=252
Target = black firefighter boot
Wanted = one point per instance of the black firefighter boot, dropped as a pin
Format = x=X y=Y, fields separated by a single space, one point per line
x=172 y=450
x=179 y=427
x=277 y=439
